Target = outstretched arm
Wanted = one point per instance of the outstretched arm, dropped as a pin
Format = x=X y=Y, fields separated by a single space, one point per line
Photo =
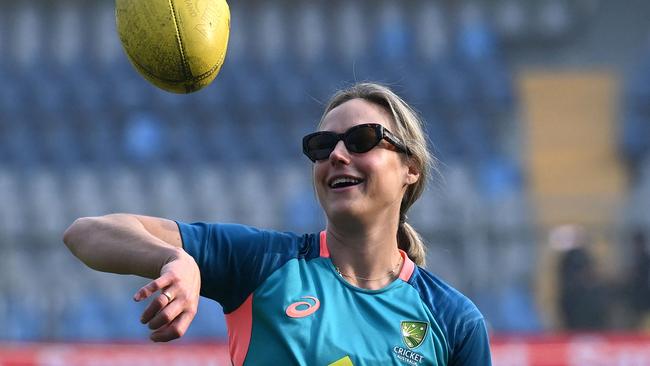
x=124 y=244
x=149 y=247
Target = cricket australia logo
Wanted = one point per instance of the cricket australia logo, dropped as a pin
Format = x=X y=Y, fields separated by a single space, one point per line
x=414 y=333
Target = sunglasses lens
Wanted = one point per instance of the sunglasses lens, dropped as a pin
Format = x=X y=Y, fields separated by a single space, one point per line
x=319 y=146
x=362 y=139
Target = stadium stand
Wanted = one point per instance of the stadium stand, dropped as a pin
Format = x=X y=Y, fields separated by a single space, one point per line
x=82 y=134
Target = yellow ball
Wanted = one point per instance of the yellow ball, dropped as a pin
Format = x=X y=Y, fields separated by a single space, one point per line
x=178 y=45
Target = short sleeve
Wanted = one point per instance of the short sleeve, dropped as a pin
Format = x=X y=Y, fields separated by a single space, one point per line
x=235 y=259
x=474 y=347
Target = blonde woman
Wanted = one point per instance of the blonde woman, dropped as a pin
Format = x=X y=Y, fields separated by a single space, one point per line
x=353 y=294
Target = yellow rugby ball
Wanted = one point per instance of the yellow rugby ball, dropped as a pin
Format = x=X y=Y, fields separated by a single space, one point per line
x=178 y=45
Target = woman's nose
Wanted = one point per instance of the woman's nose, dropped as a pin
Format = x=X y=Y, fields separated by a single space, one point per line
x=340 y=153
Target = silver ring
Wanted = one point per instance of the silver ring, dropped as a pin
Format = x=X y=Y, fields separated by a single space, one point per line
x=168 y=296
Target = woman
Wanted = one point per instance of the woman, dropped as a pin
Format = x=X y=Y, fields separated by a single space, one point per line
x=353 y=294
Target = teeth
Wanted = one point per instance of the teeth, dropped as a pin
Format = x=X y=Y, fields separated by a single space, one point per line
x=344 y=180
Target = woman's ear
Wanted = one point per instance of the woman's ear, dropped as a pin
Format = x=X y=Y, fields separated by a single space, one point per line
x=413 y=171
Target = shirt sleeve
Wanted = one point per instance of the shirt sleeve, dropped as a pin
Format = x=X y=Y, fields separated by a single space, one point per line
x=235 y=259
x=474 y=348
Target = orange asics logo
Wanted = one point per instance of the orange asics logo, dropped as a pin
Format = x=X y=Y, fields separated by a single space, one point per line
x=293 y=311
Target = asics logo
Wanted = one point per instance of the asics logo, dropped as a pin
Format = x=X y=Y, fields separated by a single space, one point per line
x=293 y=311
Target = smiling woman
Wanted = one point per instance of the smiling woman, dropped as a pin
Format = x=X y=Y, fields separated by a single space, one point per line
x=354 y=293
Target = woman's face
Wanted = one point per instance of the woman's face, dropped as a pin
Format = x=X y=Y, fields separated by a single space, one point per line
x=377 y=179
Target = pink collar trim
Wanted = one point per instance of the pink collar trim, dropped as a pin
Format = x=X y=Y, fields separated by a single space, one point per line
x=324 y=250
x=407 y=269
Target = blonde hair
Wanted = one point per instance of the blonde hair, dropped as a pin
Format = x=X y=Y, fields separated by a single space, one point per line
x=410 y=132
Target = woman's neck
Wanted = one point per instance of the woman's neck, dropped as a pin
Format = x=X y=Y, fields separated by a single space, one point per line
x=366 y=257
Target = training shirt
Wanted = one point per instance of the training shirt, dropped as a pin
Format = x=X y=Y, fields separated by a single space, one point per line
x=285 y=304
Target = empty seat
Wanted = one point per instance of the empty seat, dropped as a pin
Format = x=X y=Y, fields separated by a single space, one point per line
x=12 y=211
x=166 y=194
x=145 y=136
x=296 y=198
x=255 y=203
x=44 y=201
x=210 y=193
x=84 y=192
x=125 y=191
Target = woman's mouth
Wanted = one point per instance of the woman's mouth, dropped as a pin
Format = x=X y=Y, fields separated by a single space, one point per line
x=344 y=182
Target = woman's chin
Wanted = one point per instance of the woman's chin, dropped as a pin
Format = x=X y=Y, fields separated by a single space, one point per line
x=344 y=211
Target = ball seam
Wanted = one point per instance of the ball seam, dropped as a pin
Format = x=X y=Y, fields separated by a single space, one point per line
x=186 y=68
x=157 y=77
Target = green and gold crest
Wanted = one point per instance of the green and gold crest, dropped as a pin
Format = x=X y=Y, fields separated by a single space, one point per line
x=413 y=333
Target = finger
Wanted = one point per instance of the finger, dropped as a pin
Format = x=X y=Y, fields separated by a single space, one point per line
x=166 y=315
x=154 y=307
x=153 y=286
x=173 y=330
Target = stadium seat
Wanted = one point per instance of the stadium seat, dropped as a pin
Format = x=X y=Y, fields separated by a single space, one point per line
x=209 y=187
x=125 y=191
x=553 y=18
x=12 y=211
x=84 y=192
x=512 y=20
x=27 y=307
x=296 y=199
x=167 y=194
x=57 y=140
x=307 y=27
x=20 y=135
x=393 y=50
x=44 y=202
x=220 y=135
x=431 y=32
x=98 y=140
x=146 y=136
x=182 y=137
x=254 y=204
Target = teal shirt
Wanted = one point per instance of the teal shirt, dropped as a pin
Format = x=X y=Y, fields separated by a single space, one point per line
x=285 y=304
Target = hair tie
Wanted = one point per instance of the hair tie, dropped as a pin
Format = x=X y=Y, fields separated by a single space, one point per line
x=402 y=219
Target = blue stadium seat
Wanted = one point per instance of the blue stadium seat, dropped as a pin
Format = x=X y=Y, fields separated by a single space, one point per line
x=182 y=138
x=83 y=192
x=98 y=138
x=124 y=190
x=146 y=136
x=296 y=199
x=19 y=142
x=86 y=319
x=222 y=138
x=210 y=194
x=12 y=212
x=167 y=192
x=475 y=137
x=634 y=129
x=393 y=48
x=255 y=206
x=57 y=140
x=475 y=40
x=263 y=134
x=512 y=20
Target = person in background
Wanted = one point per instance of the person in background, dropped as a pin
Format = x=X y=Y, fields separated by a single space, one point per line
x=639 y=284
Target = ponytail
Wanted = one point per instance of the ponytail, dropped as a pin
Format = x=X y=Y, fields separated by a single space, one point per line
x=411 y=242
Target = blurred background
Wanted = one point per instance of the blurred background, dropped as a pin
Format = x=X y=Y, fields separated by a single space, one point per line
x=538 y=112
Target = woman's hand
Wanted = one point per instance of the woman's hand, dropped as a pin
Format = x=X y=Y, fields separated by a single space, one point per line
x=171 y=312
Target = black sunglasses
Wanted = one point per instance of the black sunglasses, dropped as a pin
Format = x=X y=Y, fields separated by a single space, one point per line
x=357 y=139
